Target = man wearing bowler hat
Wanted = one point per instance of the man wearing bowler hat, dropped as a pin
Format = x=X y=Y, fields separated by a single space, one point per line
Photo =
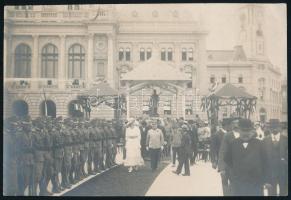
x=276 y=149
x=245 y=158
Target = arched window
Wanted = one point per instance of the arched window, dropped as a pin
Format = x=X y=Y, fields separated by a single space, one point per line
x=149 y=53
x=76 y=61
x=48 y=108
x=163 y=54
x=49 y=61
x=121 y=54
x=20 y=108
x=22 y=61
x=170 y=54
x=142 y=54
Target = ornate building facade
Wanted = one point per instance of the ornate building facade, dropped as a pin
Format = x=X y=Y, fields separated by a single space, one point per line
x=56 y=52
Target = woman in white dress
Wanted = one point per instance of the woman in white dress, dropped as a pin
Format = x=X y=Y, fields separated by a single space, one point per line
x=132 y=145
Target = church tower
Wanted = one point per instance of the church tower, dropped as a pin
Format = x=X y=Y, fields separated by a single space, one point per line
x=251 y=33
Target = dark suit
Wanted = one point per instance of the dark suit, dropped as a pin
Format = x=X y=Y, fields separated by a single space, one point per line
x=222 y=166
x=194 y=141
x=276 y=164
x=216 y=141
x=185 y=153
x=143 y=133
x=247 y=167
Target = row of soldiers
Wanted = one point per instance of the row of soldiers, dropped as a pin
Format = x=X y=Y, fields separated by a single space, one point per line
x=42 y=150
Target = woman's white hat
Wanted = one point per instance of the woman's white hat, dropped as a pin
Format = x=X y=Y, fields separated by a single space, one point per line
x=130 y=121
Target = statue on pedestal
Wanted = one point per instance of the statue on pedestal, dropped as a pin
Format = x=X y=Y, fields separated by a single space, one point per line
x=154 y=104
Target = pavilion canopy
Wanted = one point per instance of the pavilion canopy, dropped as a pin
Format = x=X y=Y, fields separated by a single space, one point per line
x=155 y=69
x=229 y=90
x=101 y=89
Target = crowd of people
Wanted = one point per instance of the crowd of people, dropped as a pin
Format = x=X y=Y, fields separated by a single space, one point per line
x=37 y=151
x=252 y=161
x=249 y=157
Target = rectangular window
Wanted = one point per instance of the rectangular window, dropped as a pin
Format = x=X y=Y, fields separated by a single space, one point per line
x=142 y=56
x=240 y=79
x=223 y=80
x=100 y=69
x=163 y=55
x=121 y=55
x=188 y=109
x=170 y=55
x=184 y=55
x=70 y=7
x=127 y=55
x=212 y=79
x=189 y=85
x=149 y=54
x=16 y=7
x=190 y=54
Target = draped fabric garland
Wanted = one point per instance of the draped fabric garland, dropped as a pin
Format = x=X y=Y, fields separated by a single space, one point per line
x=244 y=105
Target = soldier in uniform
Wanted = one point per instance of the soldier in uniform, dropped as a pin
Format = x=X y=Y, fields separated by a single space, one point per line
x=48 y=159
x=74 y=176
x=104 y=138
x=91 y=152
x=84 y=155
x=58 y=155
x=26 y=159
x=108 y=147
x=98 y=153
x=67 y=161
x=39 y=147
x=10 y=159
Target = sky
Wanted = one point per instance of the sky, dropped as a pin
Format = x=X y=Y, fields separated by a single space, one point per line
x=221 y=20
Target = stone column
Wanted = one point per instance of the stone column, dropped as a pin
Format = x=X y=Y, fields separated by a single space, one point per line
x=110 y=61
x=35 y=68
x=89 y=75
x=62 y=76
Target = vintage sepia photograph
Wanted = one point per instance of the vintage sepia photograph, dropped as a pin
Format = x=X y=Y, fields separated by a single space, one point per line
x=145 y=99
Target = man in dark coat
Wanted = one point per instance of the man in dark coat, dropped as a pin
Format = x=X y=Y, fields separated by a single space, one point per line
x=245 y=157
x=216 y=140
x=143 y=132
x=194 y=141
x=225 y=170
x=276 y=149
x=185 y=152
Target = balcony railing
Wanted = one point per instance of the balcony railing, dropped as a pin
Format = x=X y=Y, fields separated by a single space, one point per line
x=56 y=15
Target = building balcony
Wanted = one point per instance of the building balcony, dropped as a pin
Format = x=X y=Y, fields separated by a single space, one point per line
x=75 y=84
x=18 y=83
x=56 y=15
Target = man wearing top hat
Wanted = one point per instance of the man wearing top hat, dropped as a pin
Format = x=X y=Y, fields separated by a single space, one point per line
x=245 y=157
x=225 y=170
x=276 y=149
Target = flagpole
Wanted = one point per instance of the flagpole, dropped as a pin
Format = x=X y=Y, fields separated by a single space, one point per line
x=45 y=104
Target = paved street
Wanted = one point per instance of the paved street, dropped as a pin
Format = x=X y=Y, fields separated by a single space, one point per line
x=204 y=181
